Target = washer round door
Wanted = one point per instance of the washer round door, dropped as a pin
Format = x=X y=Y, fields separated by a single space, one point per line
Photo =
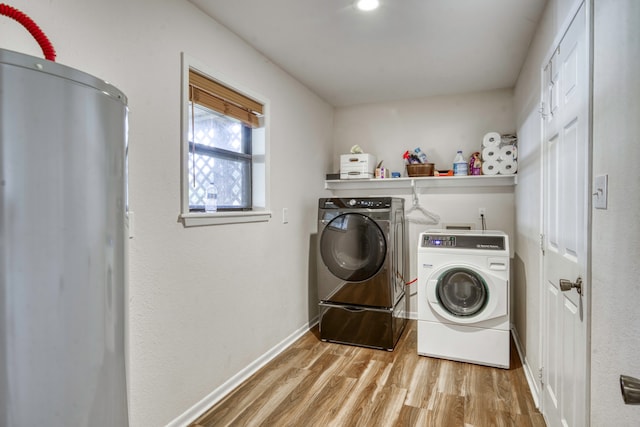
x=353 y=247
x=462 y=294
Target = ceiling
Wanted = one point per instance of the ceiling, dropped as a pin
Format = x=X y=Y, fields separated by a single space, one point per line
x=405 y=49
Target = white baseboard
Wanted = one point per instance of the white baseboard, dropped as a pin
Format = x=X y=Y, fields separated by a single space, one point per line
x=216 y=395
x=533 y=385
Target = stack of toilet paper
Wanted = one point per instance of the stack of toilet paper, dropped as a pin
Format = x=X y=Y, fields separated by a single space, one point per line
x=499 y=154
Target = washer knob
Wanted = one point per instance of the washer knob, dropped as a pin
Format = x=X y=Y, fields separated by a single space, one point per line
x=352 y=202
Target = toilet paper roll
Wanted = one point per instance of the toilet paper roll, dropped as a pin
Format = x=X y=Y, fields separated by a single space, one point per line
x=490 y=153
x=507 y=167
x=490 y=167
x=492 y=139
x=508 y=152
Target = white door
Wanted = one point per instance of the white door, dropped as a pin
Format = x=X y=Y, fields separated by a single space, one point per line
x=565 y=225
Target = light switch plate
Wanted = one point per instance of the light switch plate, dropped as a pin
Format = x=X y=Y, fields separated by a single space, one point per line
x=600 y=192
x=129 y=223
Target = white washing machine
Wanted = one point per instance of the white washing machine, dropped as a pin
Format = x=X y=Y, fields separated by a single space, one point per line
x=463 y=296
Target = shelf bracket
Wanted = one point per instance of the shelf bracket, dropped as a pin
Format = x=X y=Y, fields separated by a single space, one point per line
x=414 y=192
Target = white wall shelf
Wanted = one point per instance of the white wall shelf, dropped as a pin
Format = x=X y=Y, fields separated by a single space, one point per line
x=423 y=182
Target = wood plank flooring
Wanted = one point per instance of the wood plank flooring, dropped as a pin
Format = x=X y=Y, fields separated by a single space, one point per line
x=314 y=383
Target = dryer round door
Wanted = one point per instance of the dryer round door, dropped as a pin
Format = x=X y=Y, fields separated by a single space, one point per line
x=462 y=294
x=353 y=247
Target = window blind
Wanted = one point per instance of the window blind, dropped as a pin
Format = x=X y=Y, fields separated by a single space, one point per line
x=224 y=100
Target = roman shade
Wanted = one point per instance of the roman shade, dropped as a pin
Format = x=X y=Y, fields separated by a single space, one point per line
x=215 y=96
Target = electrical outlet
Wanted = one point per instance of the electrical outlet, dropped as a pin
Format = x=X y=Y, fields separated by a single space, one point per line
x=285 y=215
x=482 y=211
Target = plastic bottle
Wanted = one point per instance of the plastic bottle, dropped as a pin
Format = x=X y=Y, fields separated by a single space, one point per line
x=460 y=166
x=406 y=157
x=475 y=164
x=421 y=155
x=211 y=198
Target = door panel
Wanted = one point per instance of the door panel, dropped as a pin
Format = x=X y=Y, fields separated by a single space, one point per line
x=553 y=238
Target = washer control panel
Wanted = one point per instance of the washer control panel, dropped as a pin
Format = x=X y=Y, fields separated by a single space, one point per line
x=463 y=241
x=429 y=241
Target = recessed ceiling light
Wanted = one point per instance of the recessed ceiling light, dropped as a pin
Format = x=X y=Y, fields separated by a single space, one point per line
x=367 y=4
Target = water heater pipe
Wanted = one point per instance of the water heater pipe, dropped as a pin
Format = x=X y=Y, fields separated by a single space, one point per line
x=32 y=27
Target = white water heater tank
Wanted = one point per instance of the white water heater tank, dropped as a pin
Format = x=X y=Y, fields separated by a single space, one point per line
x=63 y=136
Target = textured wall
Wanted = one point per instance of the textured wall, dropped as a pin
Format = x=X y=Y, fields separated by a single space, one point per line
x=439 y=125
x=199 y=298
x=615 y=345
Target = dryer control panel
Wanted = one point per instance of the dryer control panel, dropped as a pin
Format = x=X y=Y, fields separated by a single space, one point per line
x=356 y=203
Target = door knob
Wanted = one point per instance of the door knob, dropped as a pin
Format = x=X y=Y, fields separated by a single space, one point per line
x=630 y=388
x=567 y=285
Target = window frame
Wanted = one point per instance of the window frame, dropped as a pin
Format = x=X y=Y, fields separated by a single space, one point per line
x=259 y=211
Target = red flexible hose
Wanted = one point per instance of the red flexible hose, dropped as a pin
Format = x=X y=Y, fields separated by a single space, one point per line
x=32 y=27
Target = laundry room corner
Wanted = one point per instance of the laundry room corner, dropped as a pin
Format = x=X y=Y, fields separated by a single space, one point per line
x=439 y=125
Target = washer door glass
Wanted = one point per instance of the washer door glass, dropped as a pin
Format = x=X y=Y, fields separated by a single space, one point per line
x=462 y=292
x=353 y=247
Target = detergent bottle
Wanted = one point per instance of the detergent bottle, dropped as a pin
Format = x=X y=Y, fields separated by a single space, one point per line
x=460 y=166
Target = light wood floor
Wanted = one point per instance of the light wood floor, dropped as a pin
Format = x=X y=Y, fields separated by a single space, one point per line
x=314 y=383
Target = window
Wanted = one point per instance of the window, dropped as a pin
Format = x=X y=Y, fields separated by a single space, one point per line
x=219 y=152
x=224 y=142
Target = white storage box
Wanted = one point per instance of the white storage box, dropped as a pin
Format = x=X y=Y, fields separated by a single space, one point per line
x=357 y=166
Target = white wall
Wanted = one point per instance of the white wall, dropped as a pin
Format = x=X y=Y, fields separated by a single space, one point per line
x=439 y=126
x=199 y=298
x=615 y=345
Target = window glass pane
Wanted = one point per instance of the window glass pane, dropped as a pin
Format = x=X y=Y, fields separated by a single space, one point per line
x=219 y=151
x=216 y=130
x=232 y=178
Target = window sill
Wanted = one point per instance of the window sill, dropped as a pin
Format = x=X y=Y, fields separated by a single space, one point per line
x=201 y=219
